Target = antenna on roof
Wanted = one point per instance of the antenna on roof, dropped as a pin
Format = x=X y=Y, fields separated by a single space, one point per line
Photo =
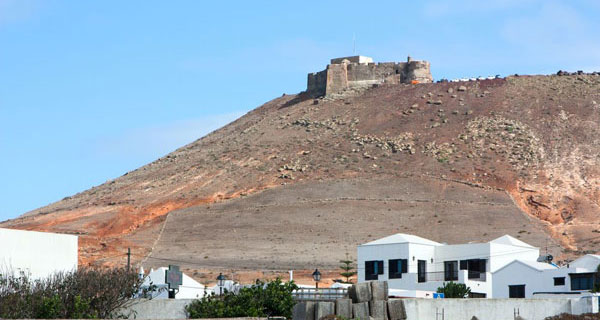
x=353 y=44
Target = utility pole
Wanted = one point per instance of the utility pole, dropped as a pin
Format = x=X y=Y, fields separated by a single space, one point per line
x=128 y=258
x=354 y=44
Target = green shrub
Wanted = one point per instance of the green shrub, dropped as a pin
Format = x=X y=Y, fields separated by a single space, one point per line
x=454 y=290
x=260 y=300
x=85 y=293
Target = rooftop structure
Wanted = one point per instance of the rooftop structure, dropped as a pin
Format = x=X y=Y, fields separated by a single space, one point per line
x=354 y=72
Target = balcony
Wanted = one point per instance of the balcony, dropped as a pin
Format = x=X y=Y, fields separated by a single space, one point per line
x=476 y=275
x=440 y=276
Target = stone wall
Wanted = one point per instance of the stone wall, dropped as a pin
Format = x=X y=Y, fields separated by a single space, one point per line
x=317 y=82
x=345 y=73
x=369 y=300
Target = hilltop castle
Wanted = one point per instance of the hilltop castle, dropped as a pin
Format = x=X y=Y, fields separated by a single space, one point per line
x=360 y=71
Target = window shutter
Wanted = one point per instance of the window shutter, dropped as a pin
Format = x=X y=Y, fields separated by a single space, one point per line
x=369 y=267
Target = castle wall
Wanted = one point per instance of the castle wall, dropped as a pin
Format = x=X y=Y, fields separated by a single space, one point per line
x=317 y=82
x=338 y=77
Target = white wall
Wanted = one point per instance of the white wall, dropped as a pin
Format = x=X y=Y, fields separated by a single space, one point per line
x=38 y=253
x=380 y=252
x=493 y=309
x=502 y=255
x=461 y=252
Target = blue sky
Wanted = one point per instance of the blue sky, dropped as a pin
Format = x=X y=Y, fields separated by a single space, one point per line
x=92 y=89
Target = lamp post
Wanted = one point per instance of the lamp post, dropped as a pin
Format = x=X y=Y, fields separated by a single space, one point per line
x=221 y=283
x=317 y=277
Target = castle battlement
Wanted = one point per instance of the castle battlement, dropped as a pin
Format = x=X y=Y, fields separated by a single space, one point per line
x=360 y=71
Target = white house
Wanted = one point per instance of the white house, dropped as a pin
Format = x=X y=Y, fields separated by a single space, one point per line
x=38 y=254
x=414 y=266
x=189 y=288
x=532 y=279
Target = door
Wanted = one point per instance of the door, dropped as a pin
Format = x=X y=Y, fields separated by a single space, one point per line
x=421 y=270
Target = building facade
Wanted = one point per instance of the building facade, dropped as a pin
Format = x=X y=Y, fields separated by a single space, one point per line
x=502 y=268
x=37 y=254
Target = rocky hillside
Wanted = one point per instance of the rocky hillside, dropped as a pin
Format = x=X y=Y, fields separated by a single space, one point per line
x=298 y=180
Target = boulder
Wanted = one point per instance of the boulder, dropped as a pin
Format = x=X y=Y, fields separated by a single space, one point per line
x=323 y=309
x=378 y=309
x=360 y=310
x=379 y=290
x=396 y=310
x=343 y=308
x=462 y=88
x=304 y=311
x=360 y=292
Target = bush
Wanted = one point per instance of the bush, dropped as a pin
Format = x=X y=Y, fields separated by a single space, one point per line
x=260 y=300
x=454 y=290
x=85 y=293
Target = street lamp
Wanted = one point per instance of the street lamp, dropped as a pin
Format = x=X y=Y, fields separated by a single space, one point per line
x=317 y=277
x=221 y=282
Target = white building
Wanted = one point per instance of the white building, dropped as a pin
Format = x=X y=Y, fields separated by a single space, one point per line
x=540 y=279
x=189 y=288
x=503 y=267
x=38 y=254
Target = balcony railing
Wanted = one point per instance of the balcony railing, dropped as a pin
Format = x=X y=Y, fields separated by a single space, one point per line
x=476 y=275
x=313 y=294
x=441 y=276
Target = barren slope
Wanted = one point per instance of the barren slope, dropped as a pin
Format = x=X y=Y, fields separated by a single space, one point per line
x=426 y=159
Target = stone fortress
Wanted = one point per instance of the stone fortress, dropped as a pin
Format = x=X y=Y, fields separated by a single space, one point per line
x=359 y=72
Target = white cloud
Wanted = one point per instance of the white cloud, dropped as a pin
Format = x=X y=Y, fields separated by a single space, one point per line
x=152 y=142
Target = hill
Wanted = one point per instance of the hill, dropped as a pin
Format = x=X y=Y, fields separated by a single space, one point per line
x=299 y=182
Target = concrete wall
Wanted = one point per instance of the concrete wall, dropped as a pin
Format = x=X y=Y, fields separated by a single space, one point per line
x=493 y=309
x=416 y=309
x=158 y=309
x=163 y=309
x=38 y=253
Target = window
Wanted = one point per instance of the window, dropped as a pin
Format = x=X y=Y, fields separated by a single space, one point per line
x=450 y=270
x=476 y=268
x=397 y=268
x=517 y=291
x=373 y=269
x=421 y=270
x=582 y=281
x=477 y=295
x=559 y=281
